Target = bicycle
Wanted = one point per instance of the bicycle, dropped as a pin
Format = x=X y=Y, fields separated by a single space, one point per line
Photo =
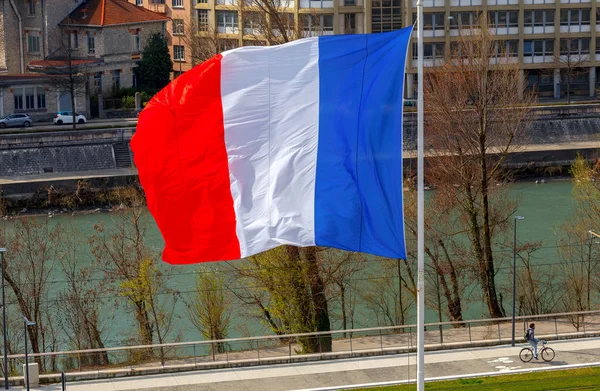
x=546 y=352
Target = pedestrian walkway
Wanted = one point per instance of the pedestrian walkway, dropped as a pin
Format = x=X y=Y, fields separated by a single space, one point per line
x=340 y=373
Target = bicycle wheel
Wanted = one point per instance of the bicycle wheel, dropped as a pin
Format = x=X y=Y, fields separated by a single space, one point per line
x=526 y=354
x=547 y=354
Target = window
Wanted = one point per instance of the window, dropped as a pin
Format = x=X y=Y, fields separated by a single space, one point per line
x=574 y=17
x=252 y=23
x=227 y=22
x=201 y=1
x=98 y=82
x=503 y=19
x=386 y=15
x=349 y=3
x=74 y=37
x=318 y=24
x=463 y=20
x=33 y=42
x=41 y=98
x=433 y=22
x=136 y=40
x=574 y=46
x=177 y=3
x=506 y=48
x=31 y=7
x=18 y=99
x=178 y=53
x=538 y=47
x=91 y=43
x=30 y=98
x=116 y=79
x=431 y=51
x=139 y=2
x=539 y=18
x=178 y=27
x=202 y=18
x=349 y=23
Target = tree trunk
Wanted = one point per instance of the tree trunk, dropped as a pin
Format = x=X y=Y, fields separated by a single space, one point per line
x=343 y=299
x=318 y=297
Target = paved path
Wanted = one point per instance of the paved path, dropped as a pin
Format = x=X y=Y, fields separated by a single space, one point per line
x=76 y=175
x=339 y=373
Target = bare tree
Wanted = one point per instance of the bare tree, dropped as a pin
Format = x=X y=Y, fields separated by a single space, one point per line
x=391 y=293
x=264 y=22
x=339 y=270
x=476 y=105
x=444 y=247
x=29 y=265
x=577 y=245
x=130 y=264
x=570 y=59
x=538 y=289
x=68 y=77
x=210 y=308
x=290 y=292
x=79 y=302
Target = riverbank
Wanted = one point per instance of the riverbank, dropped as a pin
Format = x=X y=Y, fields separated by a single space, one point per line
x=89 y=192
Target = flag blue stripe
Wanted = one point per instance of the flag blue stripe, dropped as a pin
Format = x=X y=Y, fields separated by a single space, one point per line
x=358 y=190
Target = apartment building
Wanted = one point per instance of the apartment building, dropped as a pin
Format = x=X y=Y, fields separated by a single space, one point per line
x=178 y=30
x=540 y=34
x=545 y=37
x=39 y=38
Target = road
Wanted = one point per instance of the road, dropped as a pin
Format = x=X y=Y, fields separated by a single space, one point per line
x=348 y=373
x=91 y=124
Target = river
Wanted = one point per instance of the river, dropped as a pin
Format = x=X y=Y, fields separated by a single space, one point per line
x=545 y=207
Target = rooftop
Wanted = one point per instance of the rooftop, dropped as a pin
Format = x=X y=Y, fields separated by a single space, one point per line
x=101 y=13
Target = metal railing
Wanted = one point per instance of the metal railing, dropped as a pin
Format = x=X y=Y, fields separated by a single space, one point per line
x=288 y=348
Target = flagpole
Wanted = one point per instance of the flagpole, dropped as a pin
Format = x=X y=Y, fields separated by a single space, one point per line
x=420 y=209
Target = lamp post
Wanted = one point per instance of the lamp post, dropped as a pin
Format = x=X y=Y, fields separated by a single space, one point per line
x=514 y=286
x=26 y=323
x=2 y=251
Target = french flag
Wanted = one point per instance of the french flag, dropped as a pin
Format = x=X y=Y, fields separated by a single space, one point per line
x=297 y=144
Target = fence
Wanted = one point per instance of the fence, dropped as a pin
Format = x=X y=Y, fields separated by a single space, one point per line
x=272 y=349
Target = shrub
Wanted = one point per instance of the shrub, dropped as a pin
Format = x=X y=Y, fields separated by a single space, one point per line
x=128 y=102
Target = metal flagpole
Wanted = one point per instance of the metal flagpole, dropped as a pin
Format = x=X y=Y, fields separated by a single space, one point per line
x=420 y=209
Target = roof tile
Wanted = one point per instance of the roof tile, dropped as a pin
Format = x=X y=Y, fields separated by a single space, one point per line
x=110 y=12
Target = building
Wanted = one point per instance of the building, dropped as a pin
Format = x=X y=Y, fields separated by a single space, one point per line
x=43 y=40
x=551 y=40
x=542 y=35
x=178 y=30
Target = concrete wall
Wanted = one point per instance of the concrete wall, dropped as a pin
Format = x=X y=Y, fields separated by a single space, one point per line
x=68 y=151
x=548 y=126
x=32 y=161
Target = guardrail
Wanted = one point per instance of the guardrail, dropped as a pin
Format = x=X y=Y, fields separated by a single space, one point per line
x=146 y=359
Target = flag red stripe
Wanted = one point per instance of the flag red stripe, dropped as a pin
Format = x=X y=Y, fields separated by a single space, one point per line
x=179 y=149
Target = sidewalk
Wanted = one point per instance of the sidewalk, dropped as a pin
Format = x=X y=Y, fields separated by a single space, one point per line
x=339 y=373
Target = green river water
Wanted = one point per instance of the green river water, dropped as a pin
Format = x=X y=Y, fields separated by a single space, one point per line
x=545 y=207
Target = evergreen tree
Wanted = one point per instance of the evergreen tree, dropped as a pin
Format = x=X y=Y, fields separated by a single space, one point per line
x=156 y=66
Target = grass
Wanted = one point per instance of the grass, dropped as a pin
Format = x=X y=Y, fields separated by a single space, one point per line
x=574 y=379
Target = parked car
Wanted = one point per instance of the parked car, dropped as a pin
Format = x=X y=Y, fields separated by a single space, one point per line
x=66 y=117
x=20 y=119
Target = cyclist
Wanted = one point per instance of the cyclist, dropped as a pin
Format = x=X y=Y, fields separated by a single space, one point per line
x=532 y=339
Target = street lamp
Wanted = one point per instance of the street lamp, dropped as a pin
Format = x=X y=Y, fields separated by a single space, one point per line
x=26 y=323
x=2 y=251
x=514 y=286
